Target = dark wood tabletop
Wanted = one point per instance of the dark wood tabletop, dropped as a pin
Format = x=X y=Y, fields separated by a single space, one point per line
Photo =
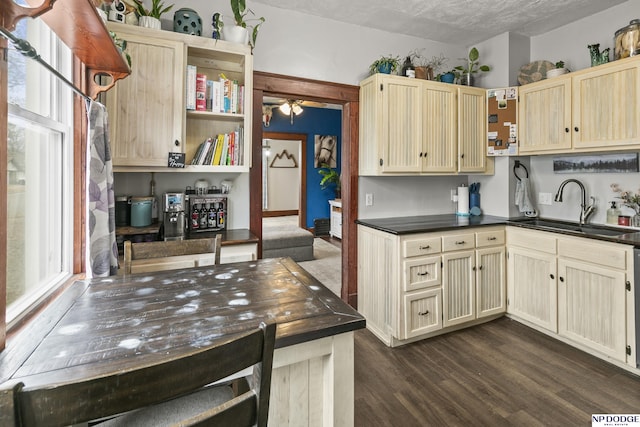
x=107 y=324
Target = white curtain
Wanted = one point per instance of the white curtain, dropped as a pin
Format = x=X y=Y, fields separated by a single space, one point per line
x=102 y=249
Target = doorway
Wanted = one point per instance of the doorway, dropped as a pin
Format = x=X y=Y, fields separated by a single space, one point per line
x=267 y=84
x=284 y=180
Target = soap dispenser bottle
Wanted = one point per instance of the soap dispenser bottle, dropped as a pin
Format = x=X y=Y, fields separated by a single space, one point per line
x=612 y=214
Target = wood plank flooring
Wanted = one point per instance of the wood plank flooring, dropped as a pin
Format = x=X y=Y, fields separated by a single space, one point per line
x=498 y=374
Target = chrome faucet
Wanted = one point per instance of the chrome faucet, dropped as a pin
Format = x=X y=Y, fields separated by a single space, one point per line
x=585 y=210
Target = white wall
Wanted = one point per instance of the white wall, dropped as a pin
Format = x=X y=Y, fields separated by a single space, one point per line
x=283 y=183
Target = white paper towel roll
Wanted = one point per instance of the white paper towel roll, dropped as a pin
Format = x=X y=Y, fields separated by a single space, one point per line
x=463 y=201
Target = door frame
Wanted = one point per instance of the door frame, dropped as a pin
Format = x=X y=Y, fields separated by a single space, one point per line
x=267 y=84
x=302 y=198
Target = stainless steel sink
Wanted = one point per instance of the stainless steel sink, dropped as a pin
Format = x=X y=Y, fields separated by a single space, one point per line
x=571 y=227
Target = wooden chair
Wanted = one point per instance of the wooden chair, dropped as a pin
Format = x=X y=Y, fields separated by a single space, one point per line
x=176 y=392
x=146 y=257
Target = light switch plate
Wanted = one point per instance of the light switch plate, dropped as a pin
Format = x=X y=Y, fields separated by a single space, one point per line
x=368 y=199
x=545 y=198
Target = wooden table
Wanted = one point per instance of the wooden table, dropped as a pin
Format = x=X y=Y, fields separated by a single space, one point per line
x=108 y=324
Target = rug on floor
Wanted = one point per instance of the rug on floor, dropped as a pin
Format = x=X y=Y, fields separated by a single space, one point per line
x=326 y=265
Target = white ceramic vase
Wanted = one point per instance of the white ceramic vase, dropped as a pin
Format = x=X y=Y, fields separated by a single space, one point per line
x=235 y=34
x=149 y=22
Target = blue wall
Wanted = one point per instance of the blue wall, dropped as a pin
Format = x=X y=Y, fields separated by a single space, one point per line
x=312 y=122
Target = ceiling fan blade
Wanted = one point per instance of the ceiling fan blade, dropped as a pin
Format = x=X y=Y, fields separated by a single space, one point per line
x=313 y=104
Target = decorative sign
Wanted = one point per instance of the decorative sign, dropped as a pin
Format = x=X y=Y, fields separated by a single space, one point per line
x=601 y=163
x=176 y=160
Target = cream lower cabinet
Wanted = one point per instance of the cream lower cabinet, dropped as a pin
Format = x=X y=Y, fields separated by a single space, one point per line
x=578 y=289
x=419 y=285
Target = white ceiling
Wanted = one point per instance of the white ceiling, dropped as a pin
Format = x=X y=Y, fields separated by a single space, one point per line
x=460 y=22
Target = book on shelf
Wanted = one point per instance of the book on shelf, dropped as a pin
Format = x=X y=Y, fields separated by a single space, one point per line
x=191 y=87
x=201 y=92
x=224 y=149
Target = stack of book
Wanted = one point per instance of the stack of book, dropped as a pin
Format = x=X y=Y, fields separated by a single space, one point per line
x=225 y=149
x=218 y=96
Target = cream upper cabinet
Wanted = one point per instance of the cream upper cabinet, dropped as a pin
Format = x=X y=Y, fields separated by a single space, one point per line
x=595 y=109
x=145 y=109
x=439 y=128
x=606 y=106
x=413 y=126
x=545 y=116
x=472 y=129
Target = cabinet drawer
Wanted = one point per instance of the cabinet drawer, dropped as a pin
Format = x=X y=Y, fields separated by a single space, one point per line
x=458 y=242
x=421 y=273
x=423 y=313
x=531 y=239
x=489 y=238
x=588 y=251
x=424 y=246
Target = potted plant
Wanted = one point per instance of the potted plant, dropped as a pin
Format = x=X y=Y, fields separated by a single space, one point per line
x=239 y=32
x=384 y=65
x=473 y=66
x=559 y=70
x=330 y=178
x=426 y=68
x=150 y=18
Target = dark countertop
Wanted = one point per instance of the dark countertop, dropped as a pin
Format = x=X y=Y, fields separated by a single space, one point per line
x=445 y=222
x=229 y=237
x=429 y=223
x=107 y=324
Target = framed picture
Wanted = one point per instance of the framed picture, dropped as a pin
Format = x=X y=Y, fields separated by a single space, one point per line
x=326 y=151
x=604 y=163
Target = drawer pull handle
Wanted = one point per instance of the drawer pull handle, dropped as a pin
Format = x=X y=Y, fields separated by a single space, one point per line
x=425 y=247
x=461 y=242
x=492 y=238
x=423 y=274
x=423 y=313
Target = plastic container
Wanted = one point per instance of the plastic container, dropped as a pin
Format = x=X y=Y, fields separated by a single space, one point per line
x=141 y=211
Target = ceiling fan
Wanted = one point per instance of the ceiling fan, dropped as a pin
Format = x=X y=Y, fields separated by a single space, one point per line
x=293 y=107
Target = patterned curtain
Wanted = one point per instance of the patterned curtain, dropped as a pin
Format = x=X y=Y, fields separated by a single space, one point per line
x=102 y=248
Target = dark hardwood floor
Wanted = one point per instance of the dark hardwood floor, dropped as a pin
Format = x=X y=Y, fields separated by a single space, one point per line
x=501 y=373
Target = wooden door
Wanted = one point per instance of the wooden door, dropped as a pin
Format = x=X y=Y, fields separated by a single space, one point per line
x=401 y=124
x=545 y=116
x=472 y=129
x=439 y=129
x=458 y=287
x=591 y=307
x=605 y=106
x=491 y=285
x=147 y=109
x=531 y=287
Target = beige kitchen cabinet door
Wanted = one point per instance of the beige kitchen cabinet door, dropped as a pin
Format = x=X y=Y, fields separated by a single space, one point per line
x=458 y=287
x=545 y=116
x=532 y=287
x=439 y=127
x=472 y=129
x=491 y=285
x=146 y=110
x=401 y=140
x=606 y=112
x=423 y=312
x=591 y=307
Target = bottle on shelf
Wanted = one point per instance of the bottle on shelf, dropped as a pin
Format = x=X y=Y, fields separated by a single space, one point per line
x=203 y=216
x=408 y=70
x=220 y=214
x=212 y=217
x=612 y=214
x=195 y=217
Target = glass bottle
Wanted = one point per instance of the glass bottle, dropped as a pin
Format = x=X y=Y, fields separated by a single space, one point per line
x=212 y=217
x=195 y=217
x=220 y=214
x=203 y=216
x=408 y=70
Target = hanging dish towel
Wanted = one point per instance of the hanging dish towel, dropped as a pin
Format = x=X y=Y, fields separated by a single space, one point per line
x=523 y=199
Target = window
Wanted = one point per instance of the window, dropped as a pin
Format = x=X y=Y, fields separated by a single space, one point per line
x=40 y=171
